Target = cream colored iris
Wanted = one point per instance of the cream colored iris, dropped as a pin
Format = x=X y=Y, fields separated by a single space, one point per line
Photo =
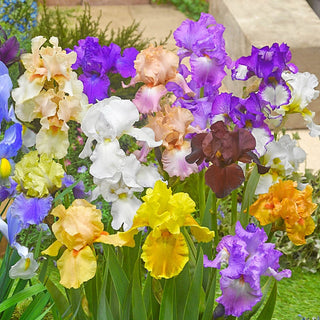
x=78 y=228
x=165 y=251
x=38 y=175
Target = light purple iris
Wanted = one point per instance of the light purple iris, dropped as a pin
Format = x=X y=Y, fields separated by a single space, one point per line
x=203 y=42
x=97 y=62
x=24 y=212
x=5 y=89
x=244 y=258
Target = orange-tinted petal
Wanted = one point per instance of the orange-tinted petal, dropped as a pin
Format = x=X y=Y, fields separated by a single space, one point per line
x=76 y=267
x=165 y=256
x=299 y=230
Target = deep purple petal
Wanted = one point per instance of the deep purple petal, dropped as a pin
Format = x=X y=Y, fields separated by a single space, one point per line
x=95 y=87
x=9 y=51
x=125 y=64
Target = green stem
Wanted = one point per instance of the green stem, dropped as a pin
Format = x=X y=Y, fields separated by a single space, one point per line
x=214 y=219
x=202 y=194
x=234 y=217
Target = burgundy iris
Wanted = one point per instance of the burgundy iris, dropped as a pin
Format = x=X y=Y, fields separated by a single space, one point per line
x=223 y=148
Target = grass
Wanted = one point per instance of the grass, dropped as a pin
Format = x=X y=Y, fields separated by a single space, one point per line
x=299 y=294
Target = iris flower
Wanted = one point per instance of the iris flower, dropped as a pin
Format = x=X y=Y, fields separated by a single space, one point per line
x=223 y=148
x=25 y=211
x=283 y=157
x=165 y=251
x=268 y=64
x=116 y=174
x=97 y=62
x=155 y=67
x=77 y=228
x=5 y=89
x=243 y=259
x=50 y=91
x=27 y=266
x=302 y=86
x=171 y=126
x=9 y=49
x=9 y=147
x=38 y=175
x=288 y=209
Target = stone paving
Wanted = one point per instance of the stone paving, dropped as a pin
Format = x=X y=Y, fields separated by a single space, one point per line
x=157 y=21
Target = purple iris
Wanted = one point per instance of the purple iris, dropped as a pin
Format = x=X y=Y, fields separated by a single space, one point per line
x=78 y=190
x=264 y=63
x=268 y=64
x=24 y=212
x=203 y=42
x=8 y=191
x=9 y=49
x=9 y=147
x=97 y=62
x=244 y=258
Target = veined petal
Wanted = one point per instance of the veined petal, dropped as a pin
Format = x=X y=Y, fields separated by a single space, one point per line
x=165 y=256
x=147 y=98
x=76 y=267
x=175 y=164
x=276 y=96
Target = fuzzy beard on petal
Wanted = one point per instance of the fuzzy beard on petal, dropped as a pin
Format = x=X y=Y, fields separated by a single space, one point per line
x=175 y=164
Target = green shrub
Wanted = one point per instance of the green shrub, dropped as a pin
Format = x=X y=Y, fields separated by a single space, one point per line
x=191 y=8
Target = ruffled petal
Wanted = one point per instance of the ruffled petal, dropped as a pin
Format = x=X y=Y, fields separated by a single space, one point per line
x=147 y=98
x=165 y=256
x=76 y=267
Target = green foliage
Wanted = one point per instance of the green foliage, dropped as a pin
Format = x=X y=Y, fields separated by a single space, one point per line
x=18 y=18
x=70 y=26
x=191 y=8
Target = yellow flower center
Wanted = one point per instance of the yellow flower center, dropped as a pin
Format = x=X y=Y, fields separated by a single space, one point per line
x=5 y=168
x=27 y=264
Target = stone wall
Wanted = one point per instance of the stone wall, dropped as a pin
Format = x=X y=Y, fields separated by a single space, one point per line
x=263 y=22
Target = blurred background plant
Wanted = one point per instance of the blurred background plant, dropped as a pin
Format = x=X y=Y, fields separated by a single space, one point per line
x=191 y=8
x=18 y=18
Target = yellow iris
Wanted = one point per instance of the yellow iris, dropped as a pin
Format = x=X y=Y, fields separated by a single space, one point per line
x=285 y=205
x=77 y=228
x=165 y=251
